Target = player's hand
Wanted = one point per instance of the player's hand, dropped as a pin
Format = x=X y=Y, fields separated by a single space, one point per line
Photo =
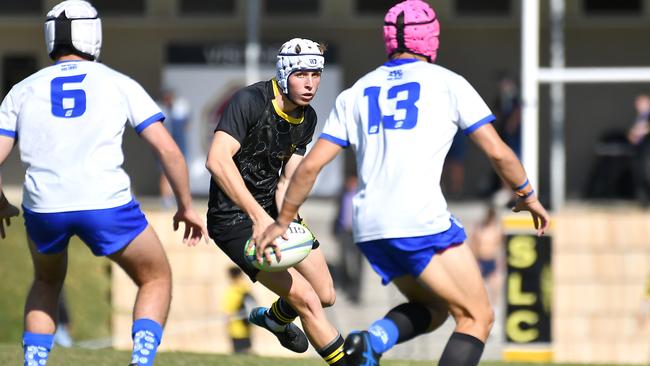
x=265 y=242
x=7 y=211
x=194 y=226
x=541 y=218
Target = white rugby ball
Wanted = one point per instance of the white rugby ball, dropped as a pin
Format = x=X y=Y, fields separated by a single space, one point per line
x=293 y=250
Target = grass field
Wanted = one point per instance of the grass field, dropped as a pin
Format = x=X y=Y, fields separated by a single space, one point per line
x=87 y=288
x=11 y=355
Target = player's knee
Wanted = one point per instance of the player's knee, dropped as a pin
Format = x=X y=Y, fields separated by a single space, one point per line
x=328 y=297
x=478 y=317
x=305 y=301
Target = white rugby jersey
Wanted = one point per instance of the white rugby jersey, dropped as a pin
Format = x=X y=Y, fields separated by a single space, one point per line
x=69 y=119
x=401 y=119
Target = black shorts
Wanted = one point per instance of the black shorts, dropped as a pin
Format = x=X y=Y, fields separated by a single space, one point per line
x=231 y=239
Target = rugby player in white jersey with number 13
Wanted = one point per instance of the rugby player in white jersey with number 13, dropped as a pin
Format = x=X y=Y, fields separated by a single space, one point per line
x=400 y=119
x=68 y=120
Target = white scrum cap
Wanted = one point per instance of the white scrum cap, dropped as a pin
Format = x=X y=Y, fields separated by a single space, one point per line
x=74 y=24
x=297 y=54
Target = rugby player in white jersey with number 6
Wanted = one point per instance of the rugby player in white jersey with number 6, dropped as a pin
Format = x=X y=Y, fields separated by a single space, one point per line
x=400 y=119
x=68 y=120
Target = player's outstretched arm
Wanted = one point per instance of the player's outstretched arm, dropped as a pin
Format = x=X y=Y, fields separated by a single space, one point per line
x=175 y=170
x=301 y=184
x=7 y=210
x=509 y=168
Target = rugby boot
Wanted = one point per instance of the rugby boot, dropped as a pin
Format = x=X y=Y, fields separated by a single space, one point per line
x=358 y=351
x=291 y=338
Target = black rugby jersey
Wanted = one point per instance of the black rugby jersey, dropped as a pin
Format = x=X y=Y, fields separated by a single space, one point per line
x=268 y=138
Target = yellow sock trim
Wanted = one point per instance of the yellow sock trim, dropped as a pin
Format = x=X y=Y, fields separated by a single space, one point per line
x=334 y=356
x=276 y=312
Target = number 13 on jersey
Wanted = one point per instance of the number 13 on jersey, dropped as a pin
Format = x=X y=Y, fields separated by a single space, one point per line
x=375 y=117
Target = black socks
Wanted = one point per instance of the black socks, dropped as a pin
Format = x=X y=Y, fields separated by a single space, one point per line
x=462 y=350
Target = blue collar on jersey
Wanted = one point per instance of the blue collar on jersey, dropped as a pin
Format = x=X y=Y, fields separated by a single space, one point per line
x=64 y=61
x=399 y=61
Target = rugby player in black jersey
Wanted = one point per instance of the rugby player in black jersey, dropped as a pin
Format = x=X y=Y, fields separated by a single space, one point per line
x=259 y=141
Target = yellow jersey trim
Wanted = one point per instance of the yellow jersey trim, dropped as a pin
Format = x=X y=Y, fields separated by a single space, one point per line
x=280 y=112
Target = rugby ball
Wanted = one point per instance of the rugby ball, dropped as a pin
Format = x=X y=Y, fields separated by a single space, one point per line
x=293 y=250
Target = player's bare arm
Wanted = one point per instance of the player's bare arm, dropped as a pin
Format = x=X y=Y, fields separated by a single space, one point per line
x=509 y=168
x=285 y=178
x=224 y=171
x=175 y=170
x=299 y=187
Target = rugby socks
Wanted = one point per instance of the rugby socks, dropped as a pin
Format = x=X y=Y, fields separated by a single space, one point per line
x=402 y=323
x=333 y=353
x=36 y=348
x=462 y=350
x=280 y=314
x=147 y=335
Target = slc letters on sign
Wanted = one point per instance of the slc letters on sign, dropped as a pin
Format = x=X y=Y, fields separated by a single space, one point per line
x=528 y=288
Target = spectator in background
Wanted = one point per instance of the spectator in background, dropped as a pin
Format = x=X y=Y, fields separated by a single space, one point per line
x=508 y=113
x=237 y=303
x=507 y=109
x=349 y=271
x=638 y=136
x=486 y=242
x=178 y=113
x=641 y=126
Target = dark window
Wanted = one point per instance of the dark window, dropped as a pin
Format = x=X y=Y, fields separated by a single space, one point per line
x=207 y=7
x=375 y=6
x=291 y=7
x=483 y=7
x=611 y=7
x=14 y=7
x=119 y=7
x=15 y=68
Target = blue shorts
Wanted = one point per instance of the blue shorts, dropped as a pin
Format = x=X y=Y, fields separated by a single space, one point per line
x=104 y=231
x=396 y=257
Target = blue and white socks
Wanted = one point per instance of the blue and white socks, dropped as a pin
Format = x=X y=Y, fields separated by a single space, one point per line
x=147 y=335
x=383 y=335
x=36 y=348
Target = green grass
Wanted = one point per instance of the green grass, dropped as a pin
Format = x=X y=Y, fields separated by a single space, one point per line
x=87 y=288
x=11 y=355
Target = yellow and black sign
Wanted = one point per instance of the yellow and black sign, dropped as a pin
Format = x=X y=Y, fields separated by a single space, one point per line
x=528 y=288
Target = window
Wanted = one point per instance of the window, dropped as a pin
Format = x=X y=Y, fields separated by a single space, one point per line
x=609 y=7
x=291 y=7
x=379 y=7
x=15 y=68
x=483 y=7
x=13 y=7
x=119 y=7
x=205 y=7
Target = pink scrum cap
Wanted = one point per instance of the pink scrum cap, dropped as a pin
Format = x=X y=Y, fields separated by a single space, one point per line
x=411 y=26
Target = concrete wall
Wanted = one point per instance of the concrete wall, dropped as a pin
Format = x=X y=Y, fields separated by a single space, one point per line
x=601 y=264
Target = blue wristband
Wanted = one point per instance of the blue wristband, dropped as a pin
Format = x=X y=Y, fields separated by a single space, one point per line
x=522 y=186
